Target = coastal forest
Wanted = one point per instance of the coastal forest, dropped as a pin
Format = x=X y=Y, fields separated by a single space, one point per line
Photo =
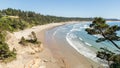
x=14 y=20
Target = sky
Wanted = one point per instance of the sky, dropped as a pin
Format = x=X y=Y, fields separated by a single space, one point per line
x=67 y=8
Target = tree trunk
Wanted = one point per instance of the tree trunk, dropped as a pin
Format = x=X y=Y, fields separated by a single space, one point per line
x=114 y=44
x=109 y=40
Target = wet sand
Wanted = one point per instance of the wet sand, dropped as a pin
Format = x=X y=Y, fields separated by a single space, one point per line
x=63 y=51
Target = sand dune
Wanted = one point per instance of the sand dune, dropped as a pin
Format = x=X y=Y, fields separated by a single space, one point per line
x=41 y=57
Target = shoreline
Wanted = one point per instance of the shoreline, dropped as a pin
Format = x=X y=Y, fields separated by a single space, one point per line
x=76 y=63
x=47 y=58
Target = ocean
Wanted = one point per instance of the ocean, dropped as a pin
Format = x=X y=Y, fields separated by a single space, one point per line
x=76 y=36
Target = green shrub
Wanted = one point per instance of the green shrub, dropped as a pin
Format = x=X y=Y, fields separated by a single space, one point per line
x=33 y=39
x=5 y=54
x=109 y=56
x=23 y=41
x=116 y=61
x=0 y=15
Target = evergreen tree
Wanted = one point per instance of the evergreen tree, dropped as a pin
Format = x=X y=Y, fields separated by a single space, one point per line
x=99 y=26
x=107 y=32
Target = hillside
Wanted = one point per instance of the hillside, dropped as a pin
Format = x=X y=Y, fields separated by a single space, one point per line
x=14 y=20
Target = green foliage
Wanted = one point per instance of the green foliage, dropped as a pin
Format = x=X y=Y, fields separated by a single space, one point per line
x=100 y=27
x=116 y=61
x=115 y=58
x=5 y=54
x=32 y=18
x=33 y=39
x=105 y=54
x=23 y=41
x=9 y=56
x=0 y=15
x=28 y=19
x=34 y=36
x=2 y=36
x=109 y=56
x=107 y=32
x=11 y=25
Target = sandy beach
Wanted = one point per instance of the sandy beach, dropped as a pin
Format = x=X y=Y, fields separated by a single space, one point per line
x=68 y=55
x=55 y=56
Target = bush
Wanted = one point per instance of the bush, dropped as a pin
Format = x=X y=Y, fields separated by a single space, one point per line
x=109 y=56
x=5 y=54
x=115 y=65
x=33 y=39
x=0 y=15
x=2 y=36
x=23 y=41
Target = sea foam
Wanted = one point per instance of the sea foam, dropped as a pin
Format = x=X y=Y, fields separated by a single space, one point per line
x=80 y=45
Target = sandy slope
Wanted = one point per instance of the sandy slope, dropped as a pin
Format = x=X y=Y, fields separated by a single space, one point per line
x=31 y=56
x=38 y=56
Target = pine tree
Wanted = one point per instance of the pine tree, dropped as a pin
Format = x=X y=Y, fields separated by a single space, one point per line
x=99 y=26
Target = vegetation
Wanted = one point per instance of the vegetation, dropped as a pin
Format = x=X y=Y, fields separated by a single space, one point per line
x=107 y=32
x=33 y=39
x=13 y=20
x=23 y=41
x=112 y=58
x=5 y=54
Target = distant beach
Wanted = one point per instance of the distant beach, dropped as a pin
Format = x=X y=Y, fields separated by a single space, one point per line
x=53 y=54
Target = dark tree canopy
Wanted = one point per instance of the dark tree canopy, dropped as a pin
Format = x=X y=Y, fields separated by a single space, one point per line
x=107 y=32
x=99 y=26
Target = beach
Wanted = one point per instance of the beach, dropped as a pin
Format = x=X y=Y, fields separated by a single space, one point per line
x=67 y=54
x=53 y=55
x=70 y=56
